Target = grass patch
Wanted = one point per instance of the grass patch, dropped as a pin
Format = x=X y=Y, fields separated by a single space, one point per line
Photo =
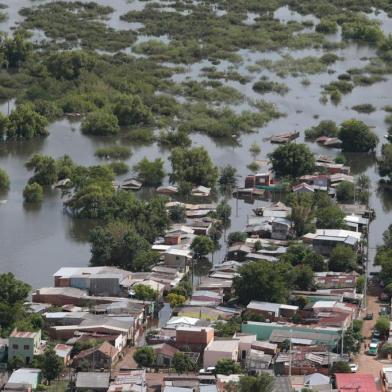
x=113 y=152
x=364 y=108
x=264 y=86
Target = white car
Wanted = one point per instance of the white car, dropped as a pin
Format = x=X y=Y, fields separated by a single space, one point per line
x=353 y=367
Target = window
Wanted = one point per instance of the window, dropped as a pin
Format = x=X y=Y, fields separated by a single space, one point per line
x=26 y=347
x=15 y=346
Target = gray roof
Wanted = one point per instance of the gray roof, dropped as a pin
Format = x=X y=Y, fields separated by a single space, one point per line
x=92 y=380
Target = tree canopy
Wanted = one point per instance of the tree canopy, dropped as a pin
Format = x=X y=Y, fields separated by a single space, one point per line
x=193 y=166
x=227 y=366
x=342 y=259
x=263 y=382
x=182 y=363
x=202 y=246
x=4 y=181
x=143 y=292
x=150 y=173
x=264 y=281
x=144 y=356
x=292 y=160
x=100 y=123
x=356 y=136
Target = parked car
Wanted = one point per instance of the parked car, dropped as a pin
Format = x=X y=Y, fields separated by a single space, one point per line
x=373 y=349
x=209 y=370
x=376 y=334
x=369 y=316
x=353 y=367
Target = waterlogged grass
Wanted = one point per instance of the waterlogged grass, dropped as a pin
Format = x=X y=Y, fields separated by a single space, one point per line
x=264 y=86
x=364 y=108
x=113 y=152
x=289 y=65
x=77 y=24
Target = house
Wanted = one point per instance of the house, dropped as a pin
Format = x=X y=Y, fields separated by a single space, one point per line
x=356 y=222
x=63 y=351
x=335 y=280
x=24 y=379
x=220 y=349
x=354 y=382
x=276 y=332
x=280 y=228
x=101 y=357
x=316 y=381
x=133 y=380
x=201 y=227
x=303 y=188
x=201 y=191
x=238 y=251
x=259 y=179
x=257 y=361
x=167 y=190
x=325 y=240
x=92 y=381
x=194 y=336
x=131 y=184
x=164 y=354
x=24 y=345
x=245 y=342
x=177 y=257
x=271 y=311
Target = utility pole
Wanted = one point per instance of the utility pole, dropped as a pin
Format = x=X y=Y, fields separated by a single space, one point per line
x=290 y=348
x=341 y=353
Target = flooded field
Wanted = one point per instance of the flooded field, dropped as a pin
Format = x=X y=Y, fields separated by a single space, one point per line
x=34 y=243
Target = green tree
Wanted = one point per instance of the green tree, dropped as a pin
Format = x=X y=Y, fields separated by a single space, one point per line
x=227 y=366
x=327 y=26
x=385 y=162
x=45 y=169
x=340 y=367
x=16 y=50
x=356 y=136
x=351 y=342
x=292 y=160
x=33 y=193
x=324 y=128
x=227 y=328
x=264 y=281
x=130 y=111
x=360 y=284
x=263 y=382
x=342 y=259
x=382 y=325
x=304 y=277
x=175 y=300
x=13 y=294
x=100 y=123
x=227 y=179
x=236 y=236
x=116 y=244
x=51 y=365
x=330 y=218
x=193 y=166
x=25 y=123
x=144 y=356
x=177 y=214
x=143 y=292
x=345 y=192
x=302 y=213
x=255 y=150
x=386 y=349
x=150 y=173
x=4 y=181
x=202 y=246
x=182 y=363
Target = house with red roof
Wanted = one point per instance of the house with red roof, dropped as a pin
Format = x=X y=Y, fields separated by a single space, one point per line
x=355 y=382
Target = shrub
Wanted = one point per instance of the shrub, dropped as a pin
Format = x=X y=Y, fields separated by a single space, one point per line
x=4 y=181
x=113 y=152
x=33 y=193
x=100 y=123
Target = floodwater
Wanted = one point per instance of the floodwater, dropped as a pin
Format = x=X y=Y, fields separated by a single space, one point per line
x=34 y=243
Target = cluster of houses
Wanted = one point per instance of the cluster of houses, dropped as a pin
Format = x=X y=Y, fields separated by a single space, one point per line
x=296 y=342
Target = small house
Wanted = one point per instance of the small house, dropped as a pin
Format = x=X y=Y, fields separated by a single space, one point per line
x=24 y=379
x=63 y=351
x=92 y=381
x=220 y=349
x=24 y=345
x=164 y=354
x=101 y=357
